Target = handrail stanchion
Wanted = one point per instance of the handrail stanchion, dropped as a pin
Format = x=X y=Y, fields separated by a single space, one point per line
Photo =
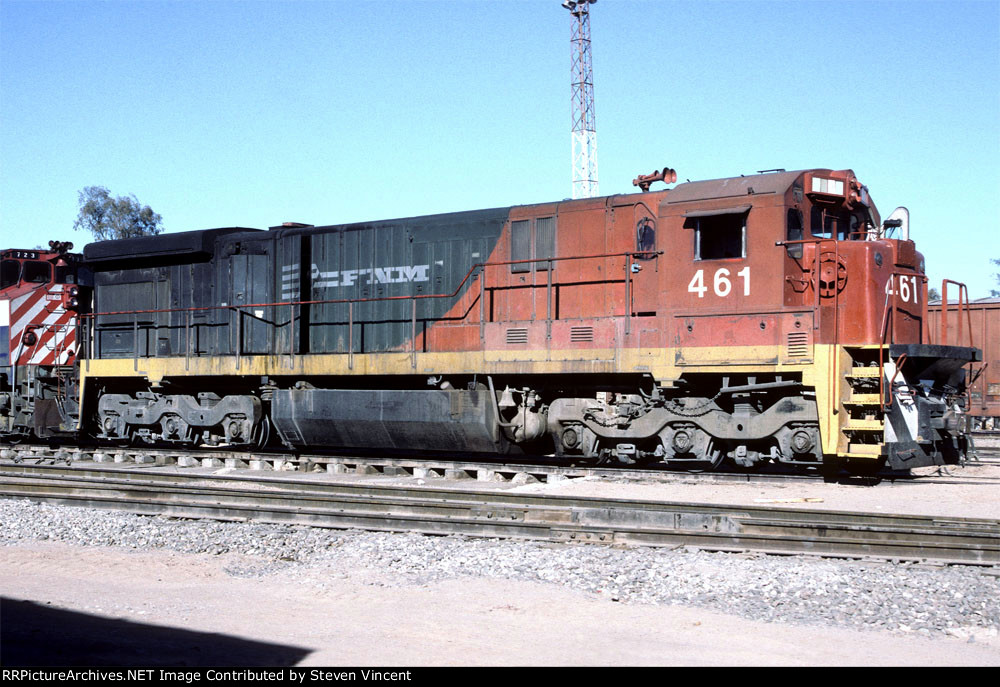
x=135 y=342
x=291 y=336
x=239 y=336
x=628 y=294
x=963 y=304
x=548 y=301
x=482 y=305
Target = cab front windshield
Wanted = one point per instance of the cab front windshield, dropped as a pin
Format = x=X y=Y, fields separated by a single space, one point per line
x=833 y=222
x=28 y=272
x=10 y=272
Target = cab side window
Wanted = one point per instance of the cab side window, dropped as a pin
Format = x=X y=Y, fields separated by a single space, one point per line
x=719 y=236
x=794 y=232
x=645 y=238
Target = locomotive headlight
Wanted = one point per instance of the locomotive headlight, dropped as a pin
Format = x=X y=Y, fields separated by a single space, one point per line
x=832 y=187
x=73 y=291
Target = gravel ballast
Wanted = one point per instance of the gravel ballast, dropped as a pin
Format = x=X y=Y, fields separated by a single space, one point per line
x=957 y=601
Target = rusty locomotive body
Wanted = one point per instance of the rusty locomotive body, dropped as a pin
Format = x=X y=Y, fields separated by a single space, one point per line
x=759 y=318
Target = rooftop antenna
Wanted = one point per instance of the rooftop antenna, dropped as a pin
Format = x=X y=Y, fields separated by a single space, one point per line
x=584 y=136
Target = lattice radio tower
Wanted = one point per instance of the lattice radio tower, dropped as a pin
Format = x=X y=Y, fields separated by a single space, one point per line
x=584 y=136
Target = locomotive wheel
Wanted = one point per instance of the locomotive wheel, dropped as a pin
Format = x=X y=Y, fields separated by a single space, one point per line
x=262 y=432
x=713 y=459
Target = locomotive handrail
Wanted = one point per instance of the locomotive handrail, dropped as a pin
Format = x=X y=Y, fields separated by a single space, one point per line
x=91 y=318
x=816 y=239
x=963 y=303
x=889 y=333
x=375 y=298
x=962 y=290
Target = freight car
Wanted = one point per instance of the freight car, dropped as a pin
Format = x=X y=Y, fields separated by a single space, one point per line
x=756 y=318
x=978 y=324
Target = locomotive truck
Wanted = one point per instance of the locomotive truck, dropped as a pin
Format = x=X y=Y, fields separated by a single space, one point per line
x=764 y=318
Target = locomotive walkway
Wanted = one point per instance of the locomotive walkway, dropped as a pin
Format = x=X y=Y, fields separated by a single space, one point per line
x=296 y=499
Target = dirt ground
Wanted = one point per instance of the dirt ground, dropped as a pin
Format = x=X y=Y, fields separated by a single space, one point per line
x=65 y=604
x=972 y=500
x=975 y=492
x=72 y=605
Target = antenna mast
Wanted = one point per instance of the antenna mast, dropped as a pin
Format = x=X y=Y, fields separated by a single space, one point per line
x=584 y=136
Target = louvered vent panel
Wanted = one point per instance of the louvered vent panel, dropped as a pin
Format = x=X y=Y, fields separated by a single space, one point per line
x=798 y=345
x=517 y=336
x=581 y=334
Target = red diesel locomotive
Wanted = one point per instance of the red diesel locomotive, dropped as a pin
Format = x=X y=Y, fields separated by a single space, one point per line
x=759 y=318
x=39 y=299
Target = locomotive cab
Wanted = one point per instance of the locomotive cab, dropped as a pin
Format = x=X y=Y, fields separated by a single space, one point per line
x=899 y=396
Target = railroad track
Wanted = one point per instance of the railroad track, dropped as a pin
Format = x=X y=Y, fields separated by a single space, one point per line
x=455 y=467
x=301 y=499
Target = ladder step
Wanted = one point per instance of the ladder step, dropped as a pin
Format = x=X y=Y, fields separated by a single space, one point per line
x=863 y=450
x=863 y=400
x=864 y=425
x=865 y=372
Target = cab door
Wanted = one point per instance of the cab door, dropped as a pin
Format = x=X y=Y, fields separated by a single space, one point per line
x=643 y=266
x=252 y=319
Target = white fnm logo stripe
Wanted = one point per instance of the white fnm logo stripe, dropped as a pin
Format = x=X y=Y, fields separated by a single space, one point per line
x=379 y=275
x=400 y=274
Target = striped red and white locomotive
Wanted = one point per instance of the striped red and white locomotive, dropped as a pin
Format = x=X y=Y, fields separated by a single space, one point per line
x=39 y=301
x=765 y=318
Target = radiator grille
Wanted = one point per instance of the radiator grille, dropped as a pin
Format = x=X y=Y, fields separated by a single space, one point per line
x=798 y=344
x=581 y=334
x=517 y=336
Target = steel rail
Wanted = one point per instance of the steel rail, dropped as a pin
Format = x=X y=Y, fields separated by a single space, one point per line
x=541 y=469
x=510 y=514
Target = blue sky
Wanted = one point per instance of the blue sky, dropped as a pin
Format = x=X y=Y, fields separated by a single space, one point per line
x=254 y=113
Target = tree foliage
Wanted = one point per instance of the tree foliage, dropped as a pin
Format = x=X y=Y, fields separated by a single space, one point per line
x=119 y=217
x=994 y=292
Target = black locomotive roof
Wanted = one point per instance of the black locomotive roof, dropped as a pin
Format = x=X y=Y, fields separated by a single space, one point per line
x=437 y=220
x=187 y=243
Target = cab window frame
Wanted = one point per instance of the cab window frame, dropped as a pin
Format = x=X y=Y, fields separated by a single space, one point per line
x=719 y=234
x=9 y=277
x=36 y=272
